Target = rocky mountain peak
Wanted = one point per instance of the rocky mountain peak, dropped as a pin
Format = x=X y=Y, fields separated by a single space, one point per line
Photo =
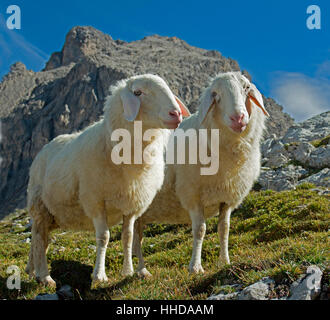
x=17 y=70
x=69 y=93
x=80 y=42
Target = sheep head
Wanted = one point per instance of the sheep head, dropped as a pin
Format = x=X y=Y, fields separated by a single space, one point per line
x=148 y=98
x=232 y=96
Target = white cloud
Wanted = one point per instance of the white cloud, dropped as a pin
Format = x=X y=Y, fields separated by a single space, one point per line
x=303 y=96
x=323 y=69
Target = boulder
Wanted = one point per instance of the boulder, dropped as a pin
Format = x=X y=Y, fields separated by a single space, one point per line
x=301 y=151
x=257 y=291
x=314 y=128
x=320 y=157
x=307 y=287
x=283 y=178
x=322 y=178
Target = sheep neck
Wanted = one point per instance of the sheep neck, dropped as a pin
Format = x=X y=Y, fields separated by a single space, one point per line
x=233 y=147
x=117 y=121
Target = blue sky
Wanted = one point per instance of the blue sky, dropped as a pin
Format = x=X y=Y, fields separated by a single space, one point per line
x=269 y=39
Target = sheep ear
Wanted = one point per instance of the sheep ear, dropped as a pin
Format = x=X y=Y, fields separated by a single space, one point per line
x=248 y=105
x=206 y=102
x=184 y=110
x=131 y=104
x=255 y=96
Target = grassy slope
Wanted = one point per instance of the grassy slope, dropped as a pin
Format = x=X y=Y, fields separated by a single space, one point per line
x=275 y=234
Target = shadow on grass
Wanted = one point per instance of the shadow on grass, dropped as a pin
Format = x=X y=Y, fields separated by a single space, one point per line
x=14 y=294
x=107 y=292
x=205 y=284
x=73 y=273
x=79 y=277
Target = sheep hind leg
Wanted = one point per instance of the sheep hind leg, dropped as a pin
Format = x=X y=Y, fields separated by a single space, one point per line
x=137 y=249
x=43 y=223
x=223 y=230
x=30 y=265
x=127 y=239
x=102 y=240
x=198 y=230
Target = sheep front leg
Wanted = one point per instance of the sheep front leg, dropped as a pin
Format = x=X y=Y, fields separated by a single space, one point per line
x=39 y=246
x=198 y=230
x=127 y=239
x=102 y=239
x=223 y=230
x=137 y=249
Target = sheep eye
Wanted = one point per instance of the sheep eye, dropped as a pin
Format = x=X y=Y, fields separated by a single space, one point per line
x=214 y=94
x=137 y=92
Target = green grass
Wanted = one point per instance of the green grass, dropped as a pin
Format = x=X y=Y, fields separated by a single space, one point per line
x=276 y=234
x=321 y=142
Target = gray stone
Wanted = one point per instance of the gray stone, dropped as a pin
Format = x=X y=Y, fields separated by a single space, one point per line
x=28 y=227
x=47 y=297
x=302 y=151
x=221 y=296
x=281 y=178
x=65 y=293
x=267 y=144
x=314 y=128
x=320 y=157
x=320 y=191
x=272 y=147
x=307 y=287
x=257 y=291
x=322 y=179
x=276 y=161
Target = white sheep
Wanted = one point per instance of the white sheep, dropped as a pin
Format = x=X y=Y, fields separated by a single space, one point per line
x=188 y=197
x=74 y=183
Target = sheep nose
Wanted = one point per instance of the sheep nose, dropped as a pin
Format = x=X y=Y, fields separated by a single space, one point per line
x=175 y=115
x=237 y=118
x=174 y=120
x=237 y=123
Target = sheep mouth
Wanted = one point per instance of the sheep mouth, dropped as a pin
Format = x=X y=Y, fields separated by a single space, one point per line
x=238 y=129
x=171 y=124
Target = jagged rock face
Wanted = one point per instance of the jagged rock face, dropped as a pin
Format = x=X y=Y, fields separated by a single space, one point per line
x=279 y=122
x=299 y=156
x=314 y=128
x=69 y=94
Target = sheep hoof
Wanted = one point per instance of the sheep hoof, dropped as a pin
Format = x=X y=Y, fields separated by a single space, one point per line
x=196 y=269
x=223 y=261
x=99 y=278
x=29 y=271
x=127 y=273
x=144 y=273
x=47 y=281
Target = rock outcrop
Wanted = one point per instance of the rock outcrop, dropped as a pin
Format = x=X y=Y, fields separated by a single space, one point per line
x=307 y=287
x=69 y=94
x=301 y=155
